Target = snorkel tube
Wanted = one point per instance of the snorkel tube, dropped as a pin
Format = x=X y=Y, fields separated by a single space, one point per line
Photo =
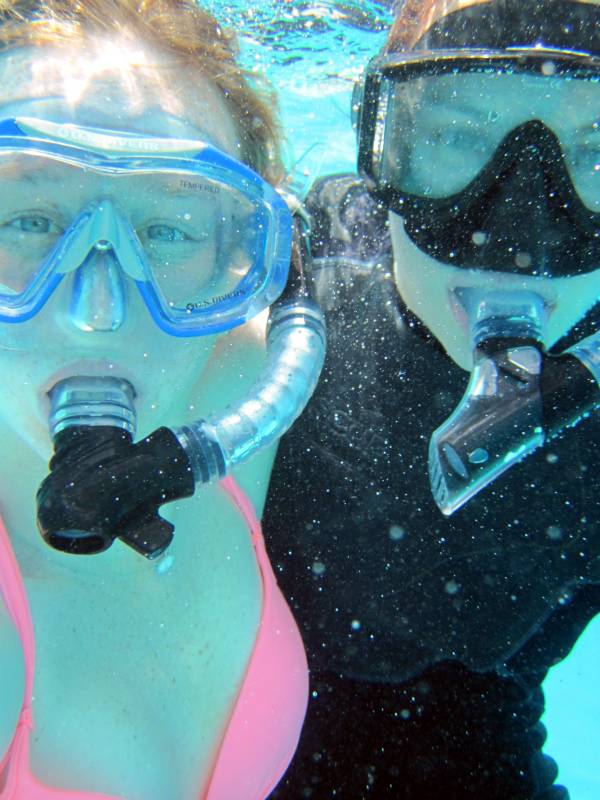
x=102 y=486
x=518 y=396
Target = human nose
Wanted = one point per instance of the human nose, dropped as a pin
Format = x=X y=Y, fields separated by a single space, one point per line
x=98 y=298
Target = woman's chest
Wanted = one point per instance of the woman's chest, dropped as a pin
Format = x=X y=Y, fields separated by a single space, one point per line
x=136 y=674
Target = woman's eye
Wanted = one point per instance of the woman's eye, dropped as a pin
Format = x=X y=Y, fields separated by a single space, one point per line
x=165 y=233
x=34 y=223
x=459 y=137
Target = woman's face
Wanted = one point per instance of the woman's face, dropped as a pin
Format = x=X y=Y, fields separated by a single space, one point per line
x=117 y=85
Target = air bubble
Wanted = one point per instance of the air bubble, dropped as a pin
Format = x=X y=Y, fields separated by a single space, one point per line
x=479 y=456
x=479 y=238
x=565 y=597
x=397 y=533
x=523 y=260
x=164 y=565
x=554 y=533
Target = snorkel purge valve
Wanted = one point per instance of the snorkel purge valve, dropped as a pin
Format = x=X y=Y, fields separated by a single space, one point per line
x=102 y=486
x=517 y=398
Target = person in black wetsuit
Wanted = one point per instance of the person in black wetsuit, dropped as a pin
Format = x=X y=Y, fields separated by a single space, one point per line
x=455 y=274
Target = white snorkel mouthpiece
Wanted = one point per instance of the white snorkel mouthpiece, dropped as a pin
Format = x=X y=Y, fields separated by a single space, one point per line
x=91 y=400
x=503 y=315
x=517 y=398
x=499 y=419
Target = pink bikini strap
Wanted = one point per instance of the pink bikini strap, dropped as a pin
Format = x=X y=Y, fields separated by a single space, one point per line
x=265 y=723
x=13 y=593
x=246 y=509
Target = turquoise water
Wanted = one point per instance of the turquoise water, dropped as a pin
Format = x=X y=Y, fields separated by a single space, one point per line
x=312 y=53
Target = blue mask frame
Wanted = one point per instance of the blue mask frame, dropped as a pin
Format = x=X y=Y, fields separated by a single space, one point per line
x=103 y=223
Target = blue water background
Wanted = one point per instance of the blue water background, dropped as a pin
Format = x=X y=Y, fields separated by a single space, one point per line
x=312 y=54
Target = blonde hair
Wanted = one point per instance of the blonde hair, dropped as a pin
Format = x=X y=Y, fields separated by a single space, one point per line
x=180 y=27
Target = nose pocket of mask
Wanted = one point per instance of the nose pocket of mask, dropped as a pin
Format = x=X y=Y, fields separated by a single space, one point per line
x=102 y=228
x=99 y=292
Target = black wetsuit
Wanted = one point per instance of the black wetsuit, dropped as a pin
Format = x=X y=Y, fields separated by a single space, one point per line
x=428 y=637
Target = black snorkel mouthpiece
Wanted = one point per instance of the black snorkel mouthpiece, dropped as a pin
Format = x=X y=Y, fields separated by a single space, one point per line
x=518 y=396
x=101 y=485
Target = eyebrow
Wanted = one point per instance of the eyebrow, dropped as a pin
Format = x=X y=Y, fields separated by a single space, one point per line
x=465 y=110
x=31 y=177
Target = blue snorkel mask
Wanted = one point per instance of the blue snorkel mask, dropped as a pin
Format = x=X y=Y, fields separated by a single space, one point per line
x=205 y=239
x=208 y=243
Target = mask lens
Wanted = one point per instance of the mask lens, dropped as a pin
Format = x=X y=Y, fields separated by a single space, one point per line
x=200 y=237
x=33 y=212
x=442 y=129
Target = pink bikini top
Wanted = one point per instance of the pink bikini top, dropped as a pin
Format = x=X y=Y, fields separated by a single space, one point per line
x=264 y=727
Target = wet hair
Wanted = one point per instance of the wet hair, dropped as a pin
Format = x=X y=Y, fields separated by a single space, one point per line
x=180 y=27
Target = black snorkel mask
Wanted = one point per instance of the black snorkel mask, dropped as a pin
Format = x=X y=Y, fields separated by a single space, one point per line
x=465 y=179
x=485 y=139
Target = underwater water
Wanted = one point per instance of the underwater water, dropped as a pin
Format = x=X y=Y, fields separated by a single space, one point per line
x=312 y=52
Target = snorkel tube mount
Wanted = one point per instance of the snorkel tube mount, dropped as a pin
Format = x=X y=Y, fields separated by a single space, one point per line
x=102 y=486
x=518 y=396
